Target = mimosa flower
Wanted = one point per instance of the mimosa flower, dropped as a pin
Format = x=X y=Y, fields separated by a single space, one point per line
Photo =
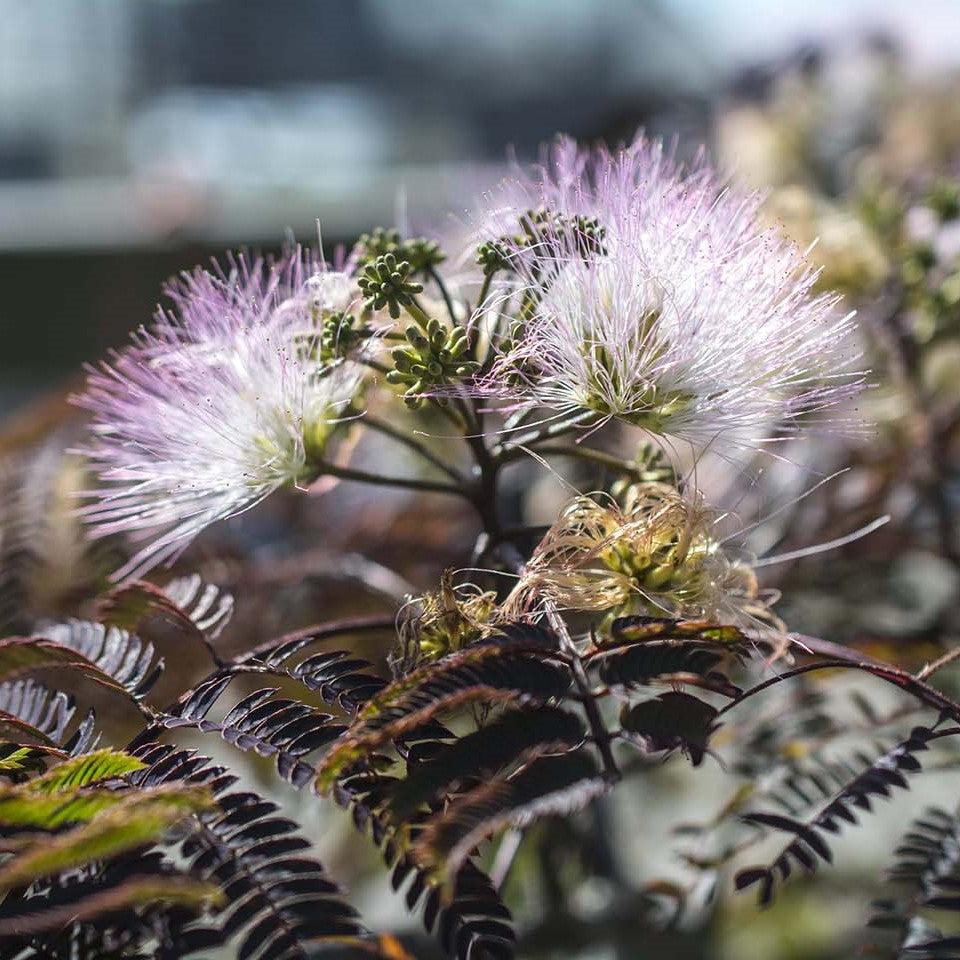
x=215 y=407
x=649 y=293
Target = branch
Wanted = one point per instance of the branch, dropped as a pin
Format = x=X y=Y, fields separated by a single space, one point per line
x=321 y=631
x=594 y=456
x=939 y=663
x=442 y=287
x=893 y=675
x=406 y=483
x=601 y=735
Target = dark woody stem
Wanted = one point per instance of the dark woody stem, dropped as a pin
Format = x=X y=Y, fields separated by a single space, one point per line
x=598 y=729
x=486 y=471
x=485 y=503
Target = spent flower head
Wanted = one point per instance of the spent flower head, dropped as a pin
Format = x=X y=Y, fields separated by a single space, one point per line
x=216 y=406
x=435 y=624
x=640 y=290
x=659 y=554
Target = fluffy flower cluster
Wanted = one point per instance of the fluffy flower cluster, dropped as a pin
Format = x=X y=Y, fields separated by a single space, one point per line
x=649 y=293
x=624 y=286
x=216 y=406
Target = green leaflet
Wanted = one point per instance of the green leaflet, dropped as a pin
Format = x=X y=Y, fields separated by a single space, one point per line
x=23 y=808
x=59 y=797
x=26 y=809
x=86 y=769
x=21 y=759
x=137 y=820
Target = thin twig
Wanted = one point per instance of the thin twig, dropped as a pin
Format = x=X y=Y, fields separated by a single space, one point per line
x=406 y=483
x=939 y=663
x=382 y=426
x=514 y=447
x=893 y=675
x=322 y=631
x=442 y=287
x=836 y=651
x=591 y=455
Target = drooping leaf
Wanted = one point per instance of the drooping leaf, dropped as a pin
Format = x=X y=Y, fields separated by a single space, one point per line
x=547 y=786
x=121 y=655
x=643 y=650
x=278 y=899
x=468 y=915
x=483 y=752
x=519 y=668
x=209 y=607
x=269 y=726
x=511 y=660
x=28 y=707
x=110 y=657
x=30 y=710
x=195 y=608
x=337 y=675
x=671 y=721
x=364 y=739
x=135 y=892
x=134 y=929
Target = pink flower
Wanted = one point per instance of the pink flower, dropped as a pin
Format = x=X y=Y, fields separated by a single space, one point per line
x=647 y=292
x=216 y=406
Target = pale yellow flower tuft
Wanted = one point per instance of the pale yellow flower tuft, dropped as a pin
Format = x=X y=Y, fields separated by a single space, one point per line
x=658 y=554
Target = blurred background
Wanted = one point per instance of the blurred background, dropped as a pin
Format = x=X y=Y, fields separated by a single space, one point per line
x=139 y=138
